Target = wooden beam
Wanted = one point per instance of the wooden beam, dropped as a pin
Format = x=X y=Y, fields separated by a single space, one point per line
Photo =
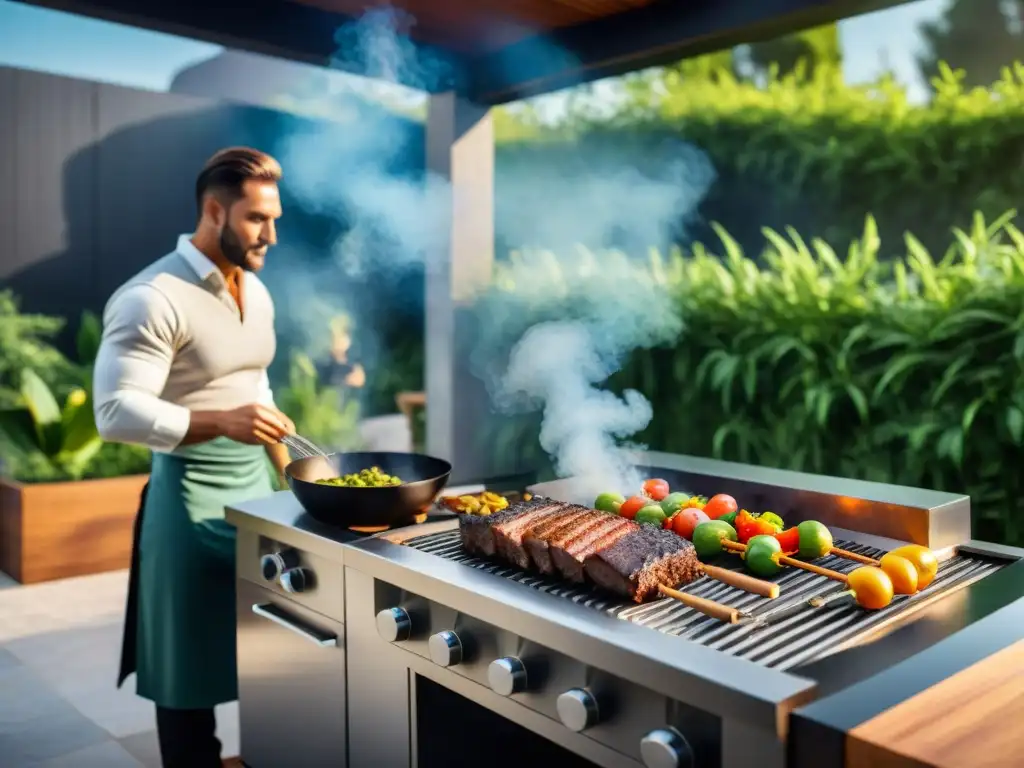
x=288 y=30
x=460 y=154
x=654 y=35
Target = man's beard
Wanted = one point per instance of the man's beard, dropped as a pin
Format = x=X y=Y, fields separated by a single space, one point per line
x=233 y=250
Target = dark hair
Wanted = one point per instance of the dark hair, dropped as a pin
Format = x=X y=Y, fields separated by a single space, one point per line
x=230 y=168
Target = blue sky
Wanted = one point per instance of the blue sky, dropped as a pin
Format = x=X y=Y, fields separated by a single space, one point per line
x=60 y=43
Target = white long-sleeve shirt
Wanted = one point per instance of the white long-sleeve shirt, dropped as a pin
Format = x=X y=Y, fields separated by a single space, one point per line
x=174 y=341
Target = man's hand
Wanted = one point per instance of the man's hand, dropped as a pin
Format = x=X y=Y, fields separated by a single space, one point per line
x=256 y=425
x=356 y=377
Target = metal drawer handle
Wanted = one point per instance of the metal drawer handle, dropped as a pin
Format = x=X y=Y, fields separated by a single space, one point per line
x=279 y=617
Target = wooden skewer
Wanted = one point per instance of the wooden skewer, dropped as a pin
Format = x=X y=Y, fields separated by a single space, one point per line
x=853 y=556
x=707 y=607
x=735 y=546
x=742 y=581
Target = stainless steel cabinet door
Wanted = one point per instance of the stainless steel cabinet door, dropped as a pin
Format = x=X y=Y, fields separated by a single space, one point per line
x=291 y=683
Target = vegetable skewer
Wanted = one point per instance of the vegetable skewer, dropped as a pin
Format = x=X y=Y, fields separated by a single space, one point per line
x=871 y=587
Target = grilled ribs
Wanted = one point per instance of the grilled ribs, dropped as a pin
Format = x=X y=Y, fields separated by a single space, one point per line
x=616 y=554
x=477 y=531
x=538 y=540
x=642 y=559
x=568 y=554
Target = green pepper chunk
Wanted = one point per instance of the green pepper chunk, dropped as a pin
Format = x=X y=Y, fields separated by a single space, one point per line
x=652 y=514
x=762 y=555
x=708 y=536
x=815 y=540
x=730 y=518
x=773 y=519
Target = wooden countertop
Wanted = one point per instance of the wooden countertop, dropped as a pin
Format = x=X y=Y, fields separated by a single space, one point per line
x=974 y=719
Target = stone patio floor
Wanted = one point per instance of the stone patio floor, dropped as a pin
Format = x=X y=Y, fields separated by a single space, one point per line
x=60 y=645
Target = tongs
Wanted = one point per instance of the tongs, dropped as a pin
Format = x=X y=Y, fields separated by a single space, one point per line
x=304 y=447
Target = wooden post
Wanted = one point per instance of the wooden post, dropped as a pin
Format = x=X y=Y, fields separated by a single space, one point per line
x=460 y=151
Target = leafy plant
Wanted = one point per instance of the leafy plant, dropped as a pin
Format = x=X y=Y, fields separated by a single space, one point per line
x=896 y=366
x=87 y=344
x=26 y=342
x=65 y=436
x=808 y=150
x=321 y=413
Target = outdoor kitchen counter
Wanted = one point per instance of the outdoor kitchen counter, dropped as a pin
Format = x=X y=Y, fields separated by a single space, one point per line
x=956 y=704
x=968 y=720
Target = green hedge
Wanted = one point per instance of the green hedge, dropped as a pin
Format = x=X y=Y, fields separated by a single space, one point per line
x=813 y=152
x=906 y=369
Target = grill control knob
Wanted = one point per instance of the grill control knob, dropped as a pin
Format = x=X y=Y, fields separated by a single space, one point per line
x=296 y=580
x=445 y=649
x=665 y=748
x=577 y=709
x=507 y=676
x=394 y=624
x=276 y=563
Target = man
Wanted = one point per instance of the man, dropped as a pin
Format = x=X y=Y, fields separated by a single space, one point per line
x=182 y=369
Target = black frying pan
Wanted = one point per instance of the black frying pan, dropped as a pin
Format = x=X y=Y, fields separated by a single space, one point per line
x=423 y=478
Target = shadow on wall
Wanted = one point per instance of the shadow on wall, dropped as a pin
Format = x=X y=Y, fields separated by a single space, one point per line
x=127 y=197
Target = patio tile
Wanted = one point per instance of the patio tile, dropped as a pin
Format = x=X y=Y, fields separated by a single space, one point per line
x=81 y=665
x=227 y=728
x=109 y=754
x=54 y=734
x=26 y=697
x=144 y=747
x=7 y=660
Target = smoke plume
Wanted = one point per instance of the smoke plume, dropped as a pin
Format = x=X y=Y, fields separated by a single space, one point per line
x=602 y=308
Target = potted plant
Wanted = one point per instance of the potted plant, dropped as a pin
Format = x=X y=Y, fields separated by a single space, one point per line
x=67 y=499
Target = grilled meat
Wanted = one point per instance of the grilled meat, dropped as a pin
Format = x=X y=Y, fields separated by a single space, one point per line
x=537 y=540
x=635 y=564
x=508 y=535
x=567 y=555
x=477 y=533
x=616 y=554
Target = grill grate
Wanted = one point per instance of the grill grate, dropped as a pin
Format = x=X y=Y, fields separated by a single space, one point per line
x=785 y=633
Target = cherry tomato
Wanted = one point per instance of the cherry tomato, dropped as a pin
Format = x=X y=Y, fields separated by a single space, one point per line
x=871 y=586
x=720 y=505
x=656 y=488
x=685 y=520
x=632 y=505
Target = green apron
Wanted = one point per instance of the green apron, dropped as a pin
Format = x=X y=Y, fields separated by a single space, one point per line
x=185 y=626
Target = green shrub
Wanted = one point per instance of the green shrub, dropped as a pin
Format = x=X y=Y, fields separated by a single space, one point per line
x=26 y=342
x=321 y=413
x=810 y=151
x=906 y=369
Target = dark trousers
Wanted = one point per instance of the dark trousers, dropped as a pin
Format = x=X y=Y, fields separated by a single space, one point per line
x=188 y=738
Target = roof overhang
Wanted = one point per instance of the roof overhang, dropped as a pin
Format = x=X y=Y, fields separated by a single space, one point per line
x=649 y=33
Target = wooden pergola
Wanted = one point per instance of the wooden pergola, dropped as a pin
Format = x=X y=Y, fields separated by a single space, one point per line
x=482 y=53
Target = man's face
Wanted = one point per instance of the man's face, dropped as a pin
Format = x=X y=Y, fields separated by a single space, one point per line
x=249 y=228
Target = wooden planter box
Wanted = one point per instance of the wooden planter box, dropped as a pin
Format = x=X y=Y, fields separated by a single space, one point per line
x=57 y=530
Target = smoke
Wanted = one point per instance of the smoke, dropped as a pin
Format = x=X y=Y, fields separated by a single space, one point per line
x=601 y=308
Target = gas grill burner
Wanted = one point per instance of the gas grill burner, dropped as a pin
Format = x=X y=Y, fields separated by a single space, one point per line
x=782 y=634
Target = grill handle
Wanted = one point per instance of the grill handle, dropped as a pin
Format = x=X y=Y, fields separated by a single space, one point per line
x=282 y=619
x=742 y=581
x=707 y=607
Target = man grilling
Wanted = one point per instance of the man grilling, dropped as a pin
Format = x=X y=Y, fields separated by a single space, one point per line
x=182 y=369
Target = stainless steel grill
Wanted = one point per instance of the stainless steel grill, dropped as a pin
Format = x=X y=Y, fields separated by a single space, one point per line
x=782 y=633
